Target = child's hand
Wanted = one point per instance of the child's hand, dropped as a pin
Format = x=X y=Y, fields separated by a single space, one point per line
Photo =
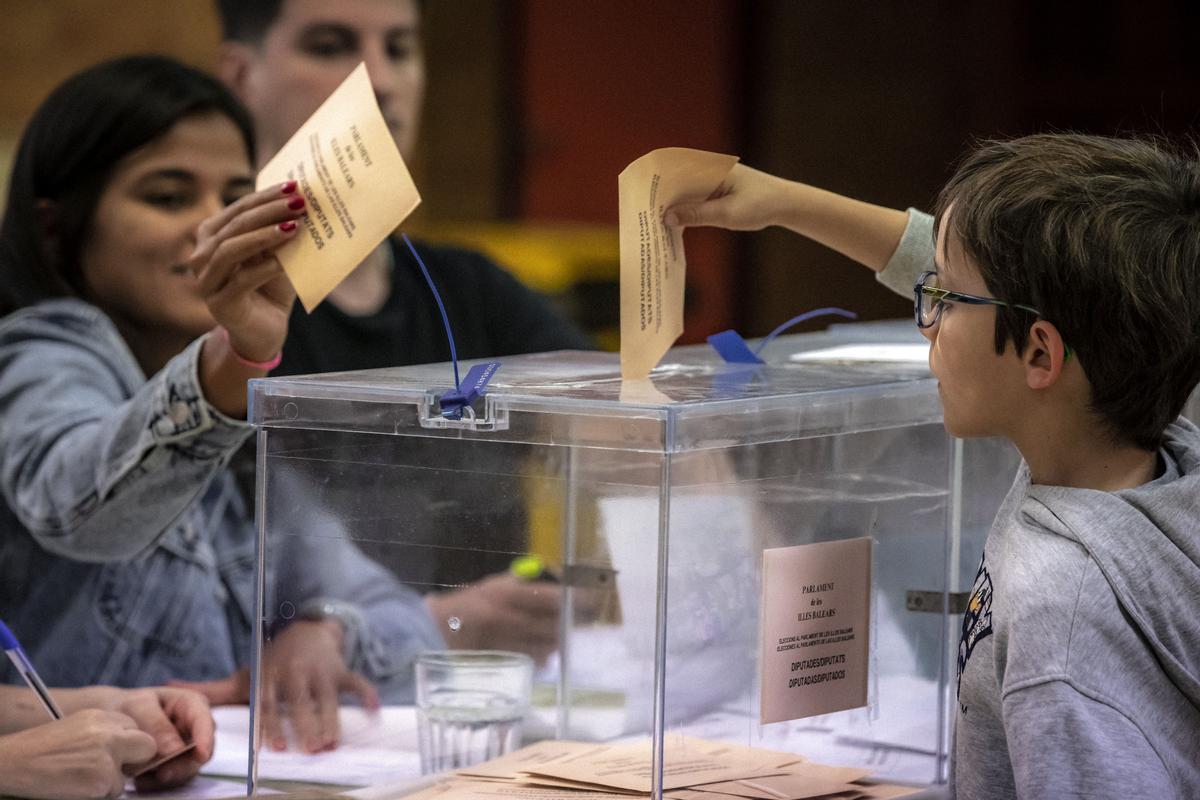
x=242 y=282
x=747 y=200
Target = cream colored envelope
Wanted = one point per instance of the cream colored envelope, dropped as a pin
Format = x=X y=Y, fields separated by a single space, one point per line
x=357 y=188
x=652 y=261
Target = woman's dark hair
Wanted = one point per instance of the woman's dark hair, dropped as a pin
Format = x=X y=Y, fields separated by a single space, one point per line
x=67 y=155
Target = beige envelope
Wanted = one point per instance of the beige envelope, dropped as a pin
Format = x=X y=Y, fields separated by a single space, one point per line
x=357 y=187
x=652 y=261
x=689 y=762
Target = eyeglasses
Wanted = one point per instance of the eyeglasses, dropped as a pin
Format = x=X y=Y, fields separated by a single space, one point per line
x=930 y=301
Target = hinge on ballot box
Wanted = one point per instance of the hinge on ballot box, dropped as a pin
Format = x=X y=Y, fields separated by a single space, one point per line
x=916 y=600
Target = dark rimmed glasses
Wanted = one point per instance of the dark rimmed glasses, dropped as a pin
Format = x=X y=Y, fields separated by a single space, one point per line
x=930 y=300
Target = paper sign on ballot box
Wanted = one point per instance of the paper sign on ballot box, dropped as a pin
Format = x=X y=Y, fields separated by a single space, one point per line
x=356 y=187
x=816 y=610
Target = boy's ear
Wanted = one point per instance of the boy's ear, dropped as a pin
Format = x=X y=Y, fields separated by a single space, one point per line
x=1045 y=355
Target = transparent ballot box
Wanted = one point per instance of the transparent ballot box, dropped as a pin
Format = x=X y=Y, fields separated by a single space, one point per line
x=656 y=549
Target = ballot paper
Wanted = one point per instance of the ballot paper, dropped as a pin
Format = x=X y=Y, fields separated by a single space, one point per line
x=356 y=186
x=589 y=771
x=687 y=762
x=652 y=260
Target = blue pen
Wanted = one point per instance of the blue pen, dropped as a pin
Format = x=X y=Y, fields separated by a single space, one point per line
x=21 y=661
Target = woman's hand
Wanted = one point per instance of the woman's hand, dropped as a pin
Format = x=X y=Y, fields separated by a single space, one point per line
x=81 y=755
x=303 y=674
x=174 y=717
x=242 y=282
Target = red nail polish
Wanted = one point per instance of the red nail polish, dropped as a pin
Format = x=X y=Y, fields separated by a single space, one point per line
x=289 y=187
x=296 y=203
x=287 y=227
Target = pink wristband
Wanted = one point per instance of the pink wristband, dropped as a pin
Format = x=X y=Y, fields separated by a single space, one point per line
x=266 y=366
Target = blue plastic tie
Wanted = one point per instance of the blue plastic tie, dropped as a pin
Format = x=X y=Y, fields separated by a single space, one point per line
x=734 y=350
x=441 y=308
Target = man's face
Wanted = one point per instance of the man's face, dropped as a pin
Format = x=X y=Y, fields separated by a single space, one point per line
x=310 y=49
x=982 y=393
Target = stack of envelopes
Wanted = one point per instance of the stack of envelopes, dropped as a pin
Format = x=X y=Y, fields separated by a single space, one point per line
x=695 y=769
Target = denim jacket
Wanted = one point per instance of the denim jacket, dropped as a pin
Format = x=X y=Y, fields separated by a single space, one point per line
x=126 y=549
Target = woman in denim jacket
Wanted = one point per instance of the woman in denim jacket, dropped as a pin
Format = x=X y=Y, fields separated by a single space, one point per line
x=137 y=272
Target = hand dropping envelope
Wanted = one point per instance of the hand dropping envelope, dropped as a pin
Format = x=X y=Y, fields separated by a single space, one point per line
x=652 y=262
x=356 y=186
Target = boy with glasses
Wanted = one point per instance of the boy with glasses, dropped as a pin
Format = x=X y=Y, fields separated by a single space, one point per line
x=1079 y=657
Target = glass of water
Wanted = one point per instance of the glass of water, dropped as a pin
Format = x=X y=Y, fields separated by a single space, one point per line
x=470 y=704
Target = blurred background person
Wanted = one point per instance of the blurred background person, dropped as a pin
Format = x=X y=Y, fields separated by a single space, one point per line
x=142 y=294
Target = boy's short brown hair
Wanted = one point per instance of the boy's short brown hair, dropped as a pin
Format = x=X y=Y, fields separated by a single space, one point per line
x=1102 y=236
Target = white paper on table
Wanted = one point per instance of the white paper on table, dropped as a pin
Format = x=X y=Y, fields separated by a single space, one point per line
x=374 y=748
x=884 y=352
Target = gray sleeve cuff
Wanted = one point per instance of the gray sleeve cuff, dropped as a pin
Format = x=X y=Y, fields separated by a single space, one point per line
x=913 y=255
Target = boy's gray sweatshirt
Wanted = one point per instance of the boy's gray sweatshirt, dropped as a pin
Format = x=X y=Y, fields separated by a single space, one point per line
x=1079 y=663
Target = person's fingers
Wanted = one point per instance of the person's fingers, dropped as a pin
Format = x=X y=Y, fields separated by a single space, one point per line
x=145 y=709
x=212 y=226
x=116 y=785
x=271 y=213
x=192 y=717
x=536 y=598
x=213 y=274
x=709 y=212
x=301 y=711
x=357 y=684
x=249 y=280
x=271 y=720
x=133 y=746
x=325 y=697
x=171 y=774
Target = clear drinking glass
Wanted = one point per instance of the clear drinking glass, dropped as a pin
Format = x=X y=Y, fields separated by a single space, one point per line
x=470 y=704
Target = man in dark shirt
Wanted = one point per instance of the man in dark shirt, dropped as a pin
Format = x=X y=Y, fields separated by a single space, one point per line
x=283 y=58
